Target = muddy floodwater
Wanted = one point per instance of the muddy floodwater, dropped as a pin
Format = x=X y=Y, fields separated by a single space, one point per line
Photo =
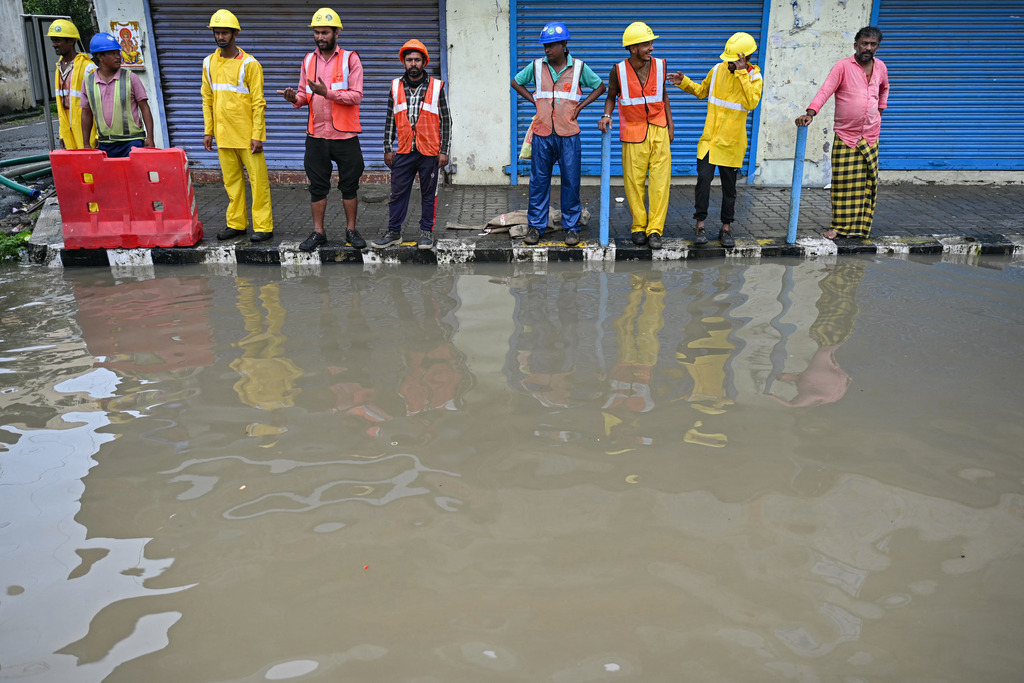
x=723 y=471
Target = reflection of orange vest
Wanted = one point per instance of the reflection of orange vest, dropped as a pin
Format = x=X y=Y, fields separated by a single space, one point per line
x=639 y=104
x=427 y=131
x=556 y=102
x=345 y=117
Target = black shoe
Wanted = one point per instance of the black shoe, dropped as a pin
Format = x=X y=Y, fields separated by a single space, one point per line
x=654 y=241
x=228 y=233
x=725 y=238
x=314 y=240
x=426 y=240
x=572 y=238
x=532 y=236
x=355 y=239
x=387 y=239
x=700 y=237
x=261 y=236
x=639 y=238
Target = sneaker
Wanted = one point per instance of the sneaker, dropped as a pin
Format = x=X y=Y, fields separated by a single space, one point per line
x=654 y=240
x=355 y=239
x=572 y=238
x=261 y=236
x=725 y=238
x=387 y=239
x=532 y=236
x=700 y=237
x=426 y=240
x=314 y=240
x=228 y=233
x=639 y=238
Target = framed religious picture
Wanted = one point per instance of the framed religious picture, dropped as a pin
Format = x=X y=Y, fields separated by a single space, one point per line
x=127 y=35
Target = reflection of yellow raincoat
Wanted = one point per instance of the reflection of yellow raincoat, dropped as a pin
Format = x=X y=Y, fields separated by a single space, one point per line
x=730 y=94
x=71 y=118
x=268 y=378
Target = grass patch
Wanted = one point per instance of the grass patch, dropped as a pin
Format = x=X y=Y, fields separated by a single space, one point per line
x=12 y=244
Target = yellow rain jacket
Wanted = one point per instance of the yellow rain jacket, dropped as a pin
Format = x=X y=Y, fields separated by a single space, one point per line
x=233 y=103
x=71 y=118
x=730 y=94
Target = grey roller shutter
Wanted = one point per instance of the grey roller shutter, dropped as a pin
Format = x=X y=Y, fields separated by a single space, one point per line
x=278 y=36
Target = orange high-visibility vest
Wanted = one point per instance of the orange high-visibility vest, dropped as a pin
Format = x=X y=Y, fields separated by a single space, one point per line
x=556 y=102
x=639 y=104
x=345 y=117
x=427 y=131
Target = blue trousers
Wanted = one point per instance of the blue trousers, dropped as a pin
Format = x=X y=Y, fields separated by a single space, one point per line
x=403 y=171
x=548 y=149
x=119 y=150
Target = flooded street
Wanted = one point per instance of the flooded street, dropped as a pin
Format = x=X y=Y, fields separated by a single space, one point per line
x=718 y=471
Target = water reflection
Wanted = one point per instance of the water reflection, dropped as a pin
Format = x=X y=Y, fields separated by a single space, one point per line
x=268 y=377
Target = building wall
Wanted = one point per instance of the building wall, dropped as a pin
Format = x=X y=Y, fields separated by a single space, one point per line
x=15 y=88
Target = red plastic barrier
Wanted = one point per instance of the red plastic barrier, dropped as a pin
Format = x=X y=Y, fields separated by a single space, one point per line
x=145 y=200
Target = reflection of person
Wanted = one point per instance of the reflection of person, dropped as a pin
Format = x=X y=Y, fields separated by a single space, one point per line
x=645 y=129
x=72 y=68
x=116 y=100
x=267 y=375
x=233 y=113
x=861 y=86
x=823 y=381
x=418 y=115
x=331 y=85
x=556 y=132
x=732 y=88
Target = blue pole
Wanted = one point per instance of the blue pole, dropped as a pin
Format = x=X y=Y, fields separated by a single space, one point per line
x=798 y=182
x=606 y=182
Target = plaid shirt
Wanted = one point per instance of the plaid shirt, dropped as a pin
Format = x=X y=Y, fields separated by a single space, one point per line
x=414 y=95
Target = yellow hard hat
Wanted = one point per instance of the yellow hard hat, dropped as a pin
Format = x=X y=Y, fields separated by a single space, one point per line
x=62 y=28
x=224 y=19
x=325 y=16
x=637 y=32
x=739 y=42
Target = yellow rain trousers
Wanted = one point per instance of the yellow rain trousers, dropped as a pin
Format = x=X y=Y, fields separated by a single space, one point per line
x=648 y=161
x=71 y=118
x=731 y=95
x=233 y=113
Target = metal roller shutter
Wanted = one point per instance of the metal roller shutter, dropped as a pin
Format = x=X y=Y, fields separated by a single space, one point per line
x=956 y=101
x=691 y=35
x=277 y=34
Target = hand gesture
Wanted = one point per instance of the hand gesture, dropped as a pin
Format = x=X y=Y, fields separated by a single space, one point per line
x=289 y=94
x=674 y=78
x=318 y=88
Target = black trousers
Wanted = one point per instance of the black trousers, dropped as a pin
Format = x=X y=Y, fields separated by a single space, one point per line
x=705 y=174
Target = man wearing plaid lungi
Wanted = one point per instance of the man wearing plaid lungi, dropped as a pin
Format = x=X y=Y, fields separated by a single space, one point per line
x=861 y=86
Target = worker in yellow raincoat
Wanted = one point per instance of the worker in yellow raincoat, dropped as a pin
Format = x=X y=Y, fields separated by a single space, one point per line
x=732 y=88
x=233 y=113
x=72 y=67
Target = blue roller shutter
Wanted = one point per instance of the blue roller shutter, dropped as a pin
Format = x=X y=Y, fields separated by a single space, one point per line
x=691 y=35
x=956 y=98
x=278 y=35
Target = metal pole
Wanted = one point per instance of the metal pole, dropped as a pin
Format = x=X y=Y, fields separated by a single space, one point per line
x=798 y=183
x=606 y=181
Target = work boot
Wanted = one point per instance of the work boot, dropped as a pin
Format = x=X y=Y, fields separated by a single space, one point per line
x=387 y=239
x=261 y=236
x=654 y=240
x=314 y=240
x=426 y=240
x=572 y=238
x=639 y=237
x=228 y=233
x=355 y=239
x=532 y=236
x=700 y=237
x=725 y=238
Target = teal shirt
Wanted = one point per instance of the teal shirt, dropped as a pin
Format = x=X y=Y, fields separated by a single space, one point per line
x=588 y=79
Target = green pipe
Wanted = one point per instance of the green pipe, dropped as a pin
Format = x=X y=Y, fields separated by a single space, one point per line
x=31 y=192
x=38 y=174
x=25 y=160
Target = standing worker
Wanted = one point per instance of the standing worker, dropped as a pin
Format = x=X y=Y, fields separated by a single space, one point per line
x=418 y=114
x=331 y=84
x=730 y=95
x=116 y=99
x=556 y=132
x=233 y=112
x=861 y=86
x=645 y=129
x=72 y=68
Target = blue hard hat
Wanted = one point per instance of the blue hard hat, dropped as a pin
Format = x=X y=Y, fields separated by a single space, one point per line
x=554 y=32
x=103 y=42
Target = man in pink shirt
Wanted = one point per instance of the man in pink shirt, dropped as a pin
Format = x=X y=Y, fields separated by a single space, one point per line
x=861 y=86
x=331 y=85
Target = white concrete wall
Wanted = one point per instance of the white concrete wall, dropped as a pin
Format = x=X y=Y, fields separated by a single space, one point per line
x=15 y=88
x=478 y=89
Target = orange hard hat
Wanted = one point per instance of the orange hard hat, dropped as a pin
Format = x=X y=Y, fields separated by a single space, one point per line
x=414 y=45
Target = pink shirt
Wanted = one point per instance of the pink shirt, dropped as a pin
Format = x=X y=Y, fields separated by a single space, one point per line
x=107 y=96
x=858 y=101
x=323 y=125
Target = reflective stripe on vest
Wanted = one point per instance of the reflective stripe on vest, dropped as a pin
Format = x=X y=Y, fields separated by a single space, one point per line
x=718 y=101
x=426 y=134
x=627 y=98
x=639 y=105
x=240 y=88
x=344 y=117
x=574 y=92
x=335 y=84
x=556 y=99
x=122 y=125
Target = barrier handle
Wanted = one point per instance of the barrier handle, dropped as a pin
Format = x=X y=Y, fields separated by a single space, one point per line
x=606 y=182
x=798 y=183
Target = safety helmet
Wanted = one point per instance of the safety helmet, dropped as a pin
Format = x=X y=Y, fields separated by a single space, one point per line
x=222 y=18
x=554 y=32
x=62 y=28
x=637 y=32
x=414 y=45
x=325 y=16
x=739 y=42
x=103 y=42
